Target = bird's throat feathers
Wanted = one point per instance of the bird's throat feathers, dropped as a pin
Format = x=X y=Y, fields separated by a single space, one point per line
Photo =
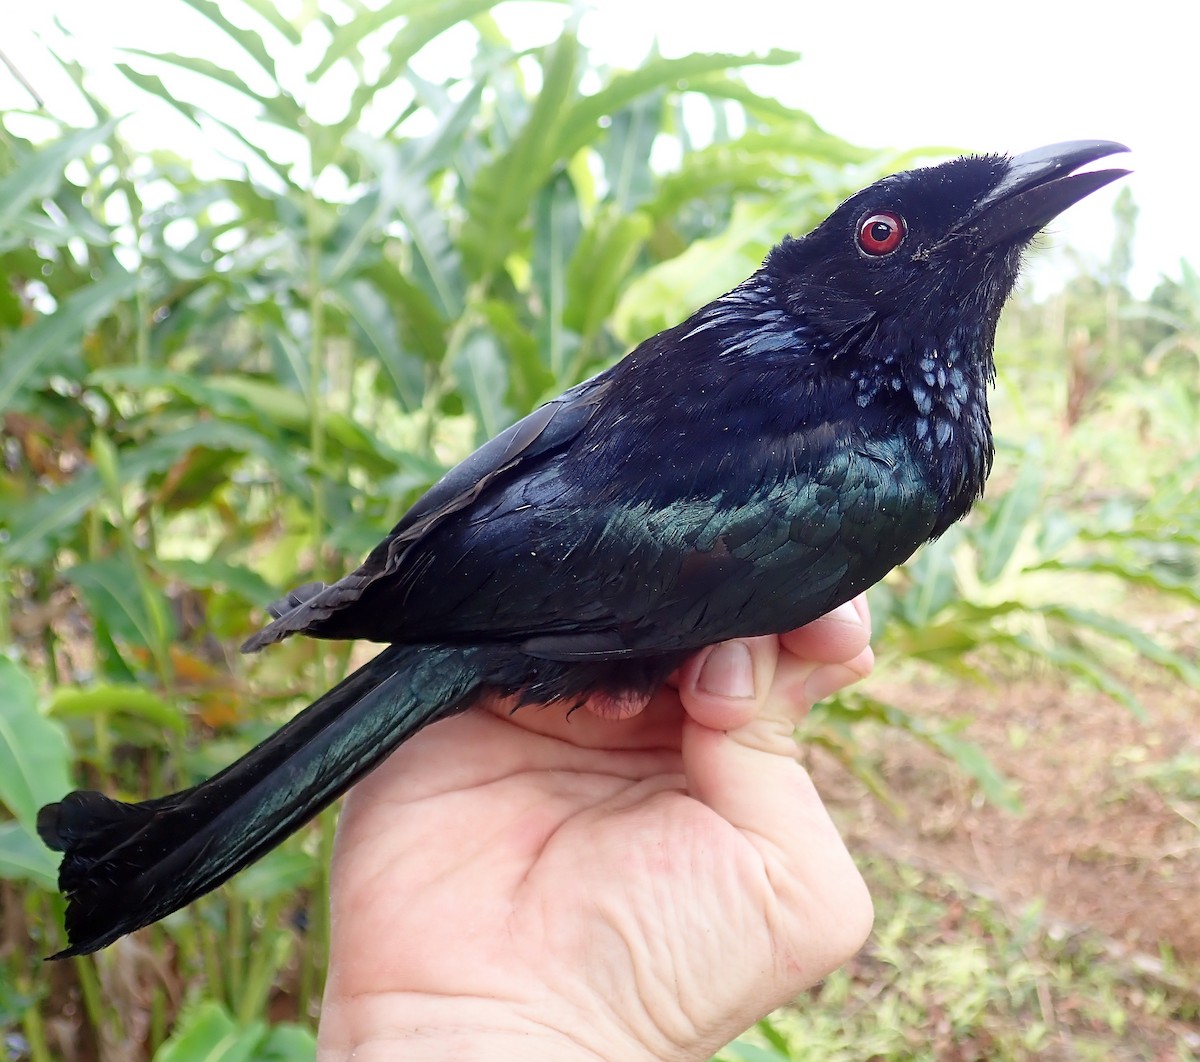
x=934 y=389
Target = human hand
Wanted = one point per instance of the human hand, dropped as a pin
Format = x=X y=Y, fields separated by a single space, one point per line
x=532 y=887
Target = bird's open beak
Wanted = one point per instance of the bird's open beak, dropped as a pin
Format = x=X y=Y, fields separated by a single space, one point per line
x=1039 y=186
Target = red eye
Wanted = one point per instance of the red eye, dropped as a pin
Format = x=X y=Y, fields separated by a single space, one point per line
x=880 y=234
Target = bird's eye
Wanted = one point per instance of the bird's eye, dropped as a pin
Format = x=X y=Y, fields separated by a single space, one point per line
x=880 y=234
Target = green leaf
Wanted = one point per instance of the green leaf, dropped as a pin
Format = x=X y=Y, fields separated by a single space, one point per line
x=966 y=755
x=602 y=263
x=207 y=1033
x=1137 y=640
x=44 y=342
x=427 y=20
x=556 y=233
x=39 y=175
x=23 y=857
x=668 y=292
x=582 y=122
x=1086 y=666
x=115 y=699
x=269 y=12
x=348 y=37
x=209 y=574
x=288 y=1042
x=32 y=526
x=249 y=41
x=739 y=1051
x=281 y=108
x=933 y=579
x=375 y=318
x=502 y=191
x=483 y=377
x=999 y=534
x=280 y=871
x=436 y=260
x=626 y=151
x=132 y=610
x=34 y=759
x=1136 y=572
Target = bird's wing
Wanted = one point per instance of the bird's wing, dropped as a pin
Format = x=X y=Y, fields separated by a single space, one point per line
x=547 y=429
x=567 y=575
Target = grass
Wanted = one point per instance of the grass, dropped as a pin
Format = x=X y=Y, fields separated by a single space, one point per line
x=951 y=974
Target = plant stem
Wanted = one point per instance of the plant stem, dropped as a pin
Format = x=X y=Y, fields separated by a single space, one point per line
x=89 y=986
x=35 y=1035
x=265 y=962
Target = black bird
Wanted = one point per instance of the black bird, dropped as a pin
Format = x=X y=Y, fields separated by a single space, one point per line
x=740 y=474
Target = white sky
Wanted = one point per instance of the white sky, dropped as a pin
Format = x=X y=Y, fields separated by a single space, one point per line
x=1007 y=75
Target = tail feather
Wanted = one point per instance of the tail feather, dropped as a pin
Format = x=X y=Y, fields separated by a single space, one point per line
x=127 y=865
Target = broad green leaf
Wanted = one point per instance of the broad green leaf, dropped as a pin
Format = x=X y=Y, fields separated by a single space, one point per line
x=1139 y=641
x=530 y=380
x=437 y=264
x=269 y=12
x=499 y=199
x=602 y=263
x=213 y=573
x=427 y=20
x=24 y=857
x=932 y=574
x=32 y=526
x=207 y=1033
x=626 y=151
x=288 y=410
x=279 y=871
x=358 y=224
x=45 y=341
x=1084 y=665
x=34 y=759
x=288 y=1042
x=155 y=87
x=968 y=756
x=555 y=235
x=739 y=1051
x=760 y=163
x=668 y=292
x=376 y=320
x=451 y=144
x=38 y=176
x=1007 y=520
x=104 y=699
x=1137 y=573
x=203 y=67
x=249 y=41
x=483 y=379
x=131 y=608
x=581 y=122
x=348 y=37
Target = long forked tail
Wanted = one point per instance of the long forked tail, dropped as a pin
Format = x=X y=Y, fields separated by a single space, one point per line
x=127 y=865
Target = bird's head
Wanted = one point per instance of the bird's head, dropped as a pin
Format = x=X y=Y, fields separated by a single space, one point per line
x=898 y=293
x=934 y=247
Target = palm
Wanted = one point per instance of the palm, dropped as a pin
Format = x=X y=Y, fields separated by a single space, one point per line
x=619 y=881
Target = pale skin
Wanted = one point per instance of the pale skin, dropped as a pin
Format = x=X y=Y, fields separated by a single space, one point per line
x=530 y=887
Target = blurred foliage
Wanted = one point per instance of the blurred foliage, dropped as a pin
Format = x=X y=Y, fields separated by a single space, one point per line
x=950 y=974
x=215 y=387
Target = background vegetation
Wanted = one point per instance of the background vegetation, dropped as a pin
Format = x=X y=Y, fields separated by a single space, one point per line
x=213 y=388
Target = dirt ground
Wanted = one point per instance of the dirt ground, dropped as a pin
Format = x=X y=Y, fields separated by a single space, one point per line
x=1110 y=832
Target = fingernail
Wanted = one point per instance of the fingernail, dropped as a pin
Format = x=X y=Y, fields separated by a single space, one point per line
x=728 y=671
x=846 y=613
